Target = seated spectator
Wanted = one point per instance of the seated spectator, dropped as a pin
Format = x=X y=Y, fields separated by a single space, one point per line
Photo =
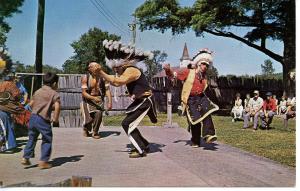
x=255 y=106
x=291 y=111
x=237 y=110
x=282 y=105
x=247 y=106
x=269 y=110
x=276 y=102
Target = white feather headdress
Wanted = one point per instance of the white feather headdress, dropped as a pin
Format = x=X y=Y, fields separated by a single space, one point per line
x=204 y=55
x=116 y=53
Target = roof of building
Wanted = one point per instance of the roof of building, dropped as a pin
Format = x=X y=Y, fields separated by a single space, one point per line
x=185 y=53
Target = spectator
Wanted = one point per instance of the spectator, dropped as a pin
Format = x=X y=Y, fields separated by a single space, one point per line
x=246 y=102
x=276 y=102
x=291 y=111
x=269 y=110
x=255 y=106
x=23 y=91
x=237 y=110
x=282 y=105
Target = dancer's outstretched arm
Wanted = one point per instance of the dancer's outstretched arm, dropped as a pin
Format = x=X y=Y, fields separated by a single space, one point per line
x=129 y=75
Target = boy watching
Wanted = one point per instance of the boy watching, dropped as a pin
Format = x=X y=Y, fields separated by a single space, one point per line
x=44 y=100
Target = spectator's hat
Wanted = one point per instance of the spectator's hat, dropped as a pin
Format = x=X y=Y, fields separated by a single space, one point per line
x=203 y=56
x=268 y=94
x=256 y=92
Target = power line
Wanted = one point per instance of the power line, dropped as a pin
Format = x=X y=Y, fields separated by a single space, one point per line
x=112 y=16
x=108 y=19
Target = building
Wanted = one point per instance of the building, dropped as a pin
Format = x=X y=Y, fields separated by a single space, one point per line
x=185 y=58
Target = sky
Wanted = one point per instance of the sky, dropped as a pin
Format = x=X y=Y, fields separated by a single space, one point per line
x=67 y=20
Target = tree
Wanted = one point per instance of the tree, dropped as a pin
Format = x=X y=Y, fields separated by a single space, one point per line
x=155 y=65
x=7 y=9
x=263 y=19
x=21 y=68
x=267 y=68
x=87 y=49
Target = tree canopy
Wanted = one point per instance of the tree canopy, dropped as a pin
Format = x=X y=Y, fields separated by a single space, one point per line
x=267 y=68
x=87 y=49
x=262 y=19
x=7 y=9
x=20 y=67
x=155 y=65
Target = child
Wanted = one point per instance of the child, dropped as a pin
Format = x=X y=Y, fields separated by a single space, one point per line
x=44 y=99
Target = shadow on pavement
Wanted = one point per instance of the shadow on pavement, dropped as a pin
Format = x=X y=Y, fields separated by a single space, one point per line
x=154 y=147
x=17 y=149
x=60 y=161
x=205 y=146
x=104 y=134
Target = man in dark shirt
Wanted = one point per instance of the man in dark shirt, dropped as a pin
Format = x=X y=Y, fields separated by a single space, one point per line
x=138 y=88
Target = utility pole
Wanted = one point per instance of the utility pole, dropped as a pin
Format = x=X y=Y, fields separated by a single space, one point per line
x=132 y=27
x=39 y=43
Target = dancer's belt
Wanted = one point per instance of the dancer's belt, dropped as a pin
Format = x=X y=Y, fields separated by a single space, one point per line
x=199 y=95
x=145 y=95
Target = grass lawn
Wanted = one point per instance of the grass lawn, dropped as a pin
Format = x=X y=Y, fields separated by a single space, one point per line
x=278 y=143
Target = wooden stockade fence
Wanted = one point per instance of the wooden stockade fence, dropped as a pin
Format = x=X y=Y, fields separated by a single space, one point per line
x=70 y=94
x=69 y=88
x=221 y=90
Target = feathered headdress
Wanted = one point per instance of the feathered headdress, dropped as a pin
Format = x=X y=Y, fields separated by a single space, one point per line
x=117 y=53
x=204 y=55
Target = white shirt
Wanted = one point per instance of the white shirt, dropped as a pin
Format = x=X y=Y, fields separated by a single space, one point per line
x=256 y=104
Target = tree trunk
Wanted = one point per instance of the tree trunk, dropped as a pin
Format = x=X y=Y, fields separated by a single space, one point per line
x=289 y=53
x=39 y=44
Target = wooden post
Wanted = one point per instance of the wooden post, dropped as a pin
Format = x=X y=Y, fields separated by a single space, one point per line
x=169 y=108
x=32 y=86
x=81 y=181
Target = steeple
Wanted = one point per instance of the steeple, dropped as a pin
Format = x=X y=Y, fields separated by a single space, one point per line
x=185 y=53
x=185 y=59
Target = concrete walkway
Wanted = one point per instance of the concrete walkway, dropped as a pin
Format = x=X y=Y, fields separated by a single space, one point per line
x=172 y=162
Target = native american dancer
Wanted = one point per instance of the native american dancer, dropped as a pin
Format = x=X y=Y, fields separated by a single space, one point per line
x=9 y=106
x=94 y=89
x=194 y=101
x=122 y=60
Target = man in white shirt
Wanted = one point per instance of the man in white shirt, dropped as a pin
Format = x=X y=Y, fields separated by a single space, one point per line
x=255 y=104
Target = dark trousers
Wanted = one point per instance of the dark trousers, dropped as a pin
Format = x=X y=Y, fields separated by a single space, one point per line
x=92 y=119
x=208 y=129
x=198 y=107
x=39 y=125
x=136 y=138
x=97 y=119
